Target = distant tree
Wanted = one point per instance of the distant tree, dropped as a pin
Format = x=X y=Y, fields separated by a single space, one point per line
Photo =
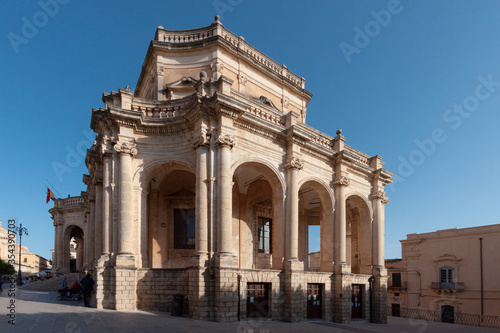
x=6 y=268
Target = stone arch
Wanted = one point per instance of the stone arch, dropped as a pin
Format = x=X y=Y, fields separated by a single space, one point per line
x=147 y=171
x=358 y=233
x=73 y=231
x=258 y=204
x=273 y=175
x=314 y=213
x=171 y=191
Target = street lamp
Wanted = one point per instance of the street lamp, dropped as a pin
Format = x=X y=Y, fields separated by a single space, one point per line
x=20 y=230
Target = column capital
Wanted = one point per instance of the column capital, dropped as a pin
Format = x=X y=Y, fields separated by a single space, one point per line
x=380 y=194
x=126 y=148
x=106 y=148
x=294 y=163
x=341 y=181
x=201 y=140
x=226 y=140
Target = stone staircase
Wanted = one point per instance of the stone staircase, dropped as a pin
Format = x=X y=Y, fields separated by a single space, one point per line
x=52 y=284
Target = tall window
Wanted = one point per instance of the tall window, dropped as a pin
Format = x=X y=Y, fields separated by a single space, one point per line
x=396 y=280
x=184 y=228
x=446 y=278
x=264 y=234
x=446 y=274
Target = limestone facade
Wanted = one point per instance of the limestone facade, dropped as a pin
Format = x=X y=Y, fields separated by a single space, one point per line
x=30 y=262
x=203 y=182
x=453 y=270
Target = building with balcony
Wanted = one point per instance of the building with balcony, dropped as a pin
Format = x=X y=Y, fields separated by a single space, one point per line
x=204 y=182
x=448 y=271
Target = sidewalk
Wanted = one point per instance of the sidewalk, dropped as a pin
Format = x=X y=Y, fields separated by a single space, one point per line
x=39 y=311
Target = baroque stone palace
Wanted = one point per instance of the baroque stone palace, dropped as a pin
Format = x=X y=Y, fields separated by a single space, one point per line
x=204 y=182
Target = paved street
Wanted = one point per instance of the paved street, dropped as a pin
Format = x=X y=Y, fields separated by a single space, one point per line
x=39 y=311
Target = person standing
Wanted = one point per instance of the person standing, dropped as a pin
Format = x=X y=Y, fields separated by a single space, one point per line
x=87 y=288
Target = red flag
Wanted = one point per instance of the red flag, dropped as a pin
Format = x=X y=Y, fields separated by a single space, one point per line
x=50 y=195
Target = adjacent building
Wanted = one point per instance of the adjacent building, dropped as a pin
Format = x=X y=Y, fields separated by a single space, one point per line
x=30 y=262
x=204 y=182
x=449 y=271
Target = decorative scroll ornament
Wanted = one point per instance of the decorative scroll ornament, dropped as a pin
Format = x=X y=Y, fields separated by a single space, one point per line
x=242 y=79
x=201 y=140
x=380 y=194
x=341 y=181
x=226 y=140
x=217 y=67
x=125 y=148
x=286 y=102
x=294 y=163
x=106 y=147
x=159 y=70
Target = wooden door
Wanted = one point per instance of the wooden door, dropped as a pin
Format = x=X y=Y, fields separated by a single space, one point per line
x=357 y=301
x=257 y=300
x=314 y=301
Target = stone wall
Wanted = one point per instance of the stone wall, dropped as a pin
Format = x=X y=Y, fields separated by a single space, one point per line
x=156 y=288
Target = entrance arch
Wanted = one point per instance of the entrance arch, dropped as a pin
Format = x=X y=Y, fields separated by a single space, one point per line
x=171 y=217
x=258 y=223
x=358 y=234
x=316 y=212
x=73 y=232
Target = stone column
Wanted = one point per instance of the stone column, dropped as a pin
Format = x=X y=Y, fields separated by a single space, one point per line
x=125 y=218
x=292 y=204
x=155 y=260
x=295 y=304
x=379 y=310
x=201 y=145
x=59 y=241
x=98 y=219
x=106 y=203
x=340 y=219
x=379 y=200
x=143 y=228
x=91 y=232
x=125 y=269
x=224 y=195
x=342 y=284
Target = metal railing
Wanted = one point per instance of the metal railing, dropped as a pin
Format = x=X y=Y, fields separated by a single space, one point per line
x=437 y=316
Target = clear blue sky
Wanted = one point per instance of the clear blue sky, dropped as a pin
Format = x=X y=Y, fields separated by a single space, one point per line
x=387 y=90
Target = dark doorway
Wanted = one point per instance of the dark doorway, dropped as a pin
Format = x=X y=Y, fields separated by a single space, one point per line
x=314 y=302
x=447 y=314
x=257 y=300
x=357 y=301
x=395 y=310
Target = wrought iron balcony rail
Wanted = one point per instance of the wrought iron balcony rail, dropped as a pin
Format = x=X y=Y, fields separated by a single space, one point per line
x=452 y=286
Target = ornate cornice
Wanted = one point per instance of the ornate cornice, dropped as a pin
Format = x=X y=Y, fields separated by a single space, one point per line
x=294 y=163
x=225 y=140
x=259 y=131
x=341 y=181
x=126 y=148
